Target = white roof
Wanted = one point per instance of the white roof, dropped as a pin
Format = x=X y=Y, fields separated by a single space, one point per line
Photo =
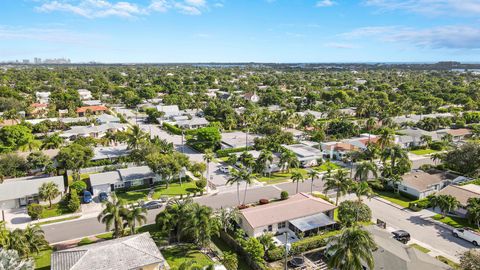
x=21 y=187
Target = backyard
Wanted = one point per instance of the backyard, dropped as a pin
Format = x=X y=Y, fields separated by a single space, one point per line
x=176 y=255
x=226 y=248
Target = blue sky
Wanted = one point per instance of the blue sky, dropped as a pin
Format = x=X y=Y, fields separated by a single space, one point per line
x=241 y=30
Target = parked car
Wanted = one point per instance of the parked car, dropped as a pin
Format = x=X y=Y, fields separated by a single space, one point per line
x=467 y=234
x=401 y=236
x=87 y=196
x=152 y=205
x=103 y=196
x=224 y=169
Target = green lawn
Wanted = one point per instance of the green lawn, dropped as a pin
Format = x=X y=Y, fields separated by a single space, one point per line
x=422 y=152
x=175 y=256
x=325 y=166
x=57 y=220
x=394 y=198
x=42 y=260
x=456 y=222
x=226 y=248
x=450 y=263
x=422 y=249
x=55 y=211
x=175 y=189
x=279 y=177
x=133 y=196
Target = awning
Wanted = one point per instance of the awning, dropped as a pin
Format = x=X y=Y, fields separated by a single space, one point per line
x=312 y=222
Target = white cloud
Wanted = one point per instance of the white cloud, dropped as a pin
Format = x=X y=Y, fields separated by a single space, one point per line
x=54 y=35
x=126 y=9
x=340 y=45
x=325 y=3
x=443 y=37
x=430 y=7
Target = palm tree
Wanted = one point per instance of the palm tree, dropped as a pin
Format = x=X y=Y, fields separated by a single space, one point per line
x=135 y=137
x=235 y=178
x=35 y=238
x=351 y=250
x=208 y=156
x=288 y=159
x=364 y=170
x=362 y=189
x=134 y=216
x=312 y=174
x=174 y=217
x=387 y=137
x=226 y=217
x=473 y=210
x=19 y=242
x=297 y=177
x=426 y=140
x=201 y=225
x=52 y=142
x=189 y=265
x=113 y=214
x=267 y=241
x=399 y=161
x=264 y=160
x=446 y=203
x=48 y=192
x=339 y=182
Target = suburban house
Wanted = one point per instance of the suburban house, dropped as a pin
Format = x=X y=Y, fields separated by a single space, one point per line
x=411 y=137
x=307 y=155
x=93 y=131
x=169 y=111
x=122 y=178
x=20 y=192
x=237 y=139
x=42 y=97
x=83 y=111
x=338 y=150
x=272 y=167
x=415 y=118
x=107 y=118
x=193 y=123
x=457 y=134
x=420 y=184
x=391 y=254
x=137 y=252
x=84 y=94
x=301 y=213
x=317 y=115
x=38 y=109
x=110 y=152
x=93 y=102
x=462 y=194
x=252 y=97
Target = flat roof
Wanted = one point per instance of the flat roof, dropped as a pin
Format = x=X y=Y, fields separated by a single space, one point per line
x=110 y=152
x=303 y=150
x=312 y=222
x=135 y=173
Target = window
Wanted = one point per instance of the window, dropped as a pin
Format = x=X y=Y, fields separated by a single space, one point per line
x=270 y=228
x=282 y=225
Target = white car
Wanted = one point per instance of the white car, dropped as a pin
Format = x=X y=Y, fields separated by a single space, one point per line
x=467 y=234
x=224 y=169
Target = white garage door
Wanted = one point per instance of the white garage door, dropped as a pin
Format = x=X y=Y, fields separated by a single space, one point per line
x=101 y=188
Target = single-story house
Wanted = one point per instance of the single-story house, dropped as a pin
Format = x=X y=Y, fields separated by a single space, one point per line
x=111 y=152
x=457 y=134
x=301 y=213
x=307 y=155
x=107 y=118
x=122 y=178
x=19 y=192
x=414 y=118
x=420 y=184
x=410 y=137
x=42 y=97
x=169 y=110
x=391 y=254
x=132 y=252
x=272 y=167
x=237 y=139
x=94 y=102
x=462 y=194
x=81 y=111
x=84 y=94
x=194 y=123
x=93 y=131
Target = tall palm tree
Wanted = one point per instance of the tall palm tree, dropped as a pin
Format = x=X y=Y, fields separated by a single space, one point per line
x=112 y=214
x=239 y=176
x=339 y=182
x=399 y=160
x=201 y=225
x=134 y=216
x=264 y=160
x=473 y=210
x=174 y=217
x=208 y=156
x=296 y=178
x=35 y=238
x=364 y=170
x=48 y=191
x=235 y=178
x=312 y=174
x=19 y=242
x=227 y=217
x=135 y=137
x=446 y=203
x=387 y=137
x=351 y=250
x=288 y=159
x=362 y=189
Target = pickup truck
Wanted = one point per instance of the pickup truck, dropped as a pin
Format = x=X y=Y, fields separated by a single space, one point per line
x=467 y=234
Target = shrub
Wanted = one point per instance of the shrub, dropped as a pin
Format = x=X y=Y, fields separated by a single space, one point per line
x=351 y=211
x=73 y=201
x=419 y=204
x=275 y=254
x=201 y=184
x=284 y=195
x=436 y=145
x=78 y=186
x=34 y=210
x=263 y=201
x=243 y=206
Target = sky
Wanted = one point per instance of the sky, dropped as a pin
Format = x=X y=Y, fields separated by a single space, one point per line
x=166 y=31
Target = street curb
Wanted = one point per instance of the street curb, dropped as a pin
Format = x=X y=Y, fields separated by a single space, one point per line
x=380 y=199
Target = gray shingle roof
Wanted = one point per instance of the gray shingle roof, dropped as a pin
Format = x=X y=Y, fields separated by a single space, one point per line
x=26 y=186
x=135 y=173
x=112 y=177
x=132 y=252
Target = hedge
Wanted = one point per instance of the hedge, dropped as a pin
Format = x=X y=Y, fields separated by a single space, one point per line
x=225 y=152
x=176 y=130
x=419 y=204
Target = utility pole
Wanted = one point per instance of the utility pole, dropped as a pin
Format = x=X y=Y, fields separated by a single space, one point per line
x=287 y=249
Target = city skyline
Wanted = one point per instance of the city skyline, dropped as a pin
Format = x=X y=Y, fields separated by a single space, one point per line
x=168 y=31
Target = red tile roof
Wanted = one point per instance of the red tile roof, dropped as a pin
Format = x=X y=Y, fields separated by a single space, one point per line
x=92 y=108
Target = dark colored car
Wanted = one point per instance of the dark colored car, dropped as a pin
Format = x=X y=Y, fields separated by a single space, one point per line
x=103 y=196
x=87 y=196
x=401 y=236
x=152 y=205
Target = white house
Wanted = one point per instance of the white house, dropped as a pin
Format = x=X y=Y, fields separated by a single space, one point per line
x=420 y=184
x=84 y=94
x=122 y=178
x=20 y=192
x=307 y=155
x=169 y=110
x=42 y=97
x=301 y=213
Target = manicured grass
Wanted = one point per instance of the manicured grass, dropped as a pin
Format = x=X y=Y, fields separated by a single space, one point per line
x=85 y=241
x=325 y=166
x=279 y=177
x=422 y=249
x=175 y=189
x=448 y=262
x=421 y=152
x=83 y=176
x=55 y=211
x=133 y=196
x=42 y=260
x=176 y=255
x=394 y=198
x=456 y=222
x=226 y=248
x=106 y=236
x=56 y=220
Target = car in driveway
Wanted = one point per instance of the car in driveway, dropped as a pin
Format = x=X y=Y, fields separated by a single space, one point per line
x=224 y=169
x=152 y=205
x=401 y=236
x=103 y=196
x=87 y=196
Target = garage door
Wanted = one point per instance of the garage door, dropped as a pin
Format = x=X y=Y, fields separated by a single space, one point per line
x=101 y=188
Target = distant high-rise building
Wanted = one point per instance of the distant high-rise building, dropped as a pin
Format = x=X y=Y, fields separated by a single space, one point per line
x=26 y=61
x=37 y=60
